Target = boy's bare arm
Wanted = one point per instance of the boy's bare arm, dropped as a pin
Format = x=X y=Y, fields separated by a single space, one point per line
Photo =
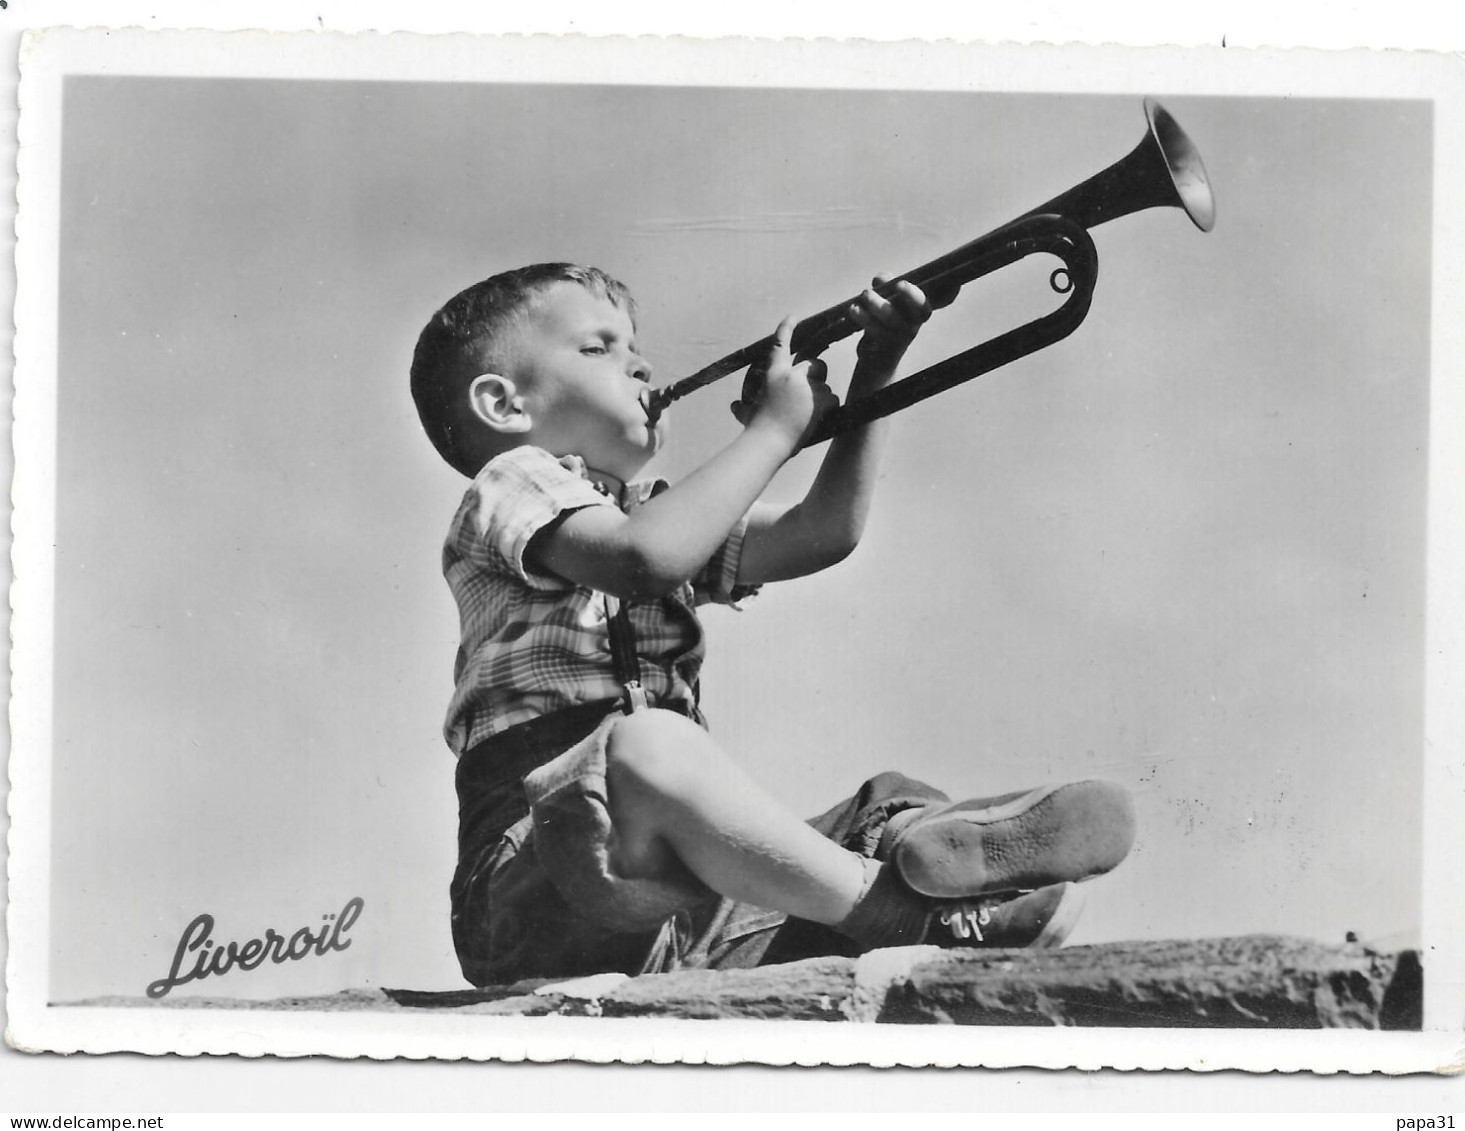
x=664 y=542
x=826 y=526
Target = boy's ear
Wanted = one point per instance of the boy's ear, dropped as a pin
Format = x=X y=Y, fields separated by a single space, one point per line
x=498 y=404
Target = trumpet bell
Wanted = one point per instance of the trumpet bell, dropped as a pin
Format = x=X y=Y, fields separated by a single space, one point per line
x=1183 y=163
x=1163 y=171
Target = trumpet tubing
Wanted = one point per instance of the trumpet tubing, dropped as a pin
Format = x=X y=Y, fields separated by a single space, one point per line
x=1163 y=170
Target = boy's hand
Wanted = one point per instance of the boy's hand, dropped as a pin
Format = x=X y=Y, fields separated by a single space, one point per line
x=890 y=324
x=790 y=396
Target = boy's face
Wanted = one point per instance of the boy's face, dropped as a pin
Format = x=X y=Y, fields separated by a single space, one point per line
x=584 y=385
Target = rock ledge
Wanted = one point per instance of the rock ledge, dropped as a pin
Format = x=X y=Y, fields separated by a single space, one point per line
x=1256 y=981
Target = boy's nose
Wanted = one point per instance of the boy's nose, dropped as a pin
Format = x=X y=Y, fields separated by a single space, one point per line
x=640 y=369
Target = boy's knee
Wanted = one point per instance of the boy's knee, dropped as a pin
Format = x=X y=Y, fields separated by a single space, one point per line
x=655 y=750
x=654 y=761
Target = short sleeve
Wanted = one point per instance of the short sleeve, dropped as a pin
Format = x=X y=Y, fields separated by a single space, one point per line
x=515 y=496
x=717 y=581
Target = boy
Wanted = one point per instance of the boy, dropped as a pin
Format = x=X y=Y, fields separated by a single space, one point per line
x=600 y=827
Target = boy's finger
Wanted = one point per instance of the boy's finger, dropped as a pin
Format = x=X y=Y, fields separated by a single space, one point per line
x=904 y=290
x=943 y=296
x=784 y=333
x=825 y=402
x=911 y=301
x=880 y=310
x=816 y=370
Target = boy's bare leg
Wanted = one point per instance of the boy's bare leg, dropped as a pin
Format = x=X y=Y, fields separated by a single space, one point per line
x=676 y=800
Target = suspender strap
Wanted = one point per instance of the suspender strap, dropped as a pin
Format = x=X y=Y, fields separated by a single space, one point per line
x=623 y=655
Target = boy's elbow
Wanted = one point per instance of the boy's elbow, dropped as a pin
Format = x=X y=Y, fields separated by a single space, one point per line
x=644 y=575
x=839 y=550
x=820 y=537
x=842 y=540
x=831 y=549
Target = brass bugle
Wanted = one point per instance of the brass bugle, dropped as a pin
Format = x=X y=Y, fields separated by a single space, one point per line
x=1163 y=170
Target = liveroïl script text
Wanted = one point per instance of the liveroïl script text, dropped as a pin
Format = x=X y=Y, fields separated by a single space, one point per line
x=210 y=958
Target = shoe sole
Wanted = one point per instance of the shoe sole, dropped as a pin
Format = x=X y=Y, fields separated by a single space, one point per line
x=1046 y=836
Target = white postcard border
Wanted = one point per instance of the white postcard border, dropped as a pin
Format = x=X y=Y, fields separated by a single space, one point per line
x=47 y=57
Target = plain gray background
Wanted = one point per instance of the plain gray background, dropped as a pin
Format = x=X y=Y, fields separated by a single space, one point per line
x=1183 y=549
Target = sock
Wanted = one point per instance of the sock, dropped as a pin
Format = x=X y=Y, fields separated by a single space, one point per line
x=887 y=913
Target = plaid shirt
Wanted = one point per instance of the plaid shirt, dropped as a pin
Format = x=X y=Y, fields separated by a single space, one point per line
x=533 y=642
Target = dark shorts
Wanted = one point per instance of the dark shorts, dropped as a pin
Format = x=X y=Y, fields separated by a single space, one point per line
x=534 y=895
